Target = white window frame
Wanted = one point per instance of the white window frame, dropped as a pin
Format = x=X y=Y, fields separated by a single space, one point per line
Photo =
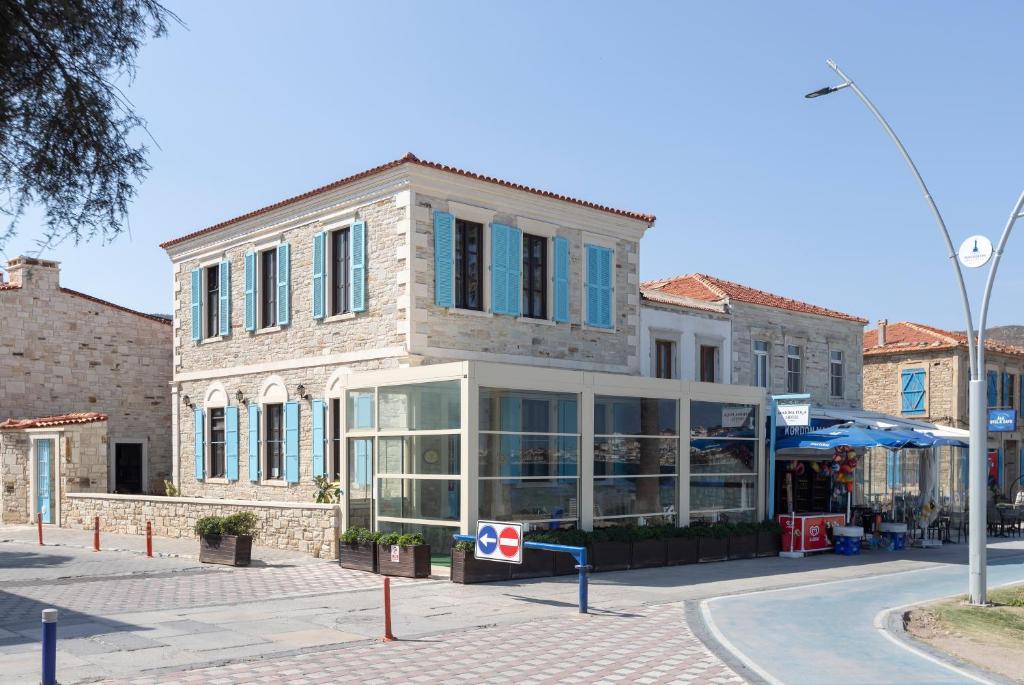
x=676 y=340
x=842 y=373
x=208 y=336
x=329 y=272
x=799 y=356
x=273 y=391
x=484 y=217
x=717 y=344
x=548 y=231
x=258 y=289
x=757 y=356
x=215 y=397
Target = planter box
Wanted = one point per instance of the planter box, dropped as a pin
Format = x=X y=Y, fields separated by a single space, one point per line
x=712 y=549
x=743 y=546
x=648 y=554
x=680 y=551
x=466 y=569
x=413 y=562
x=565 y=564
x=360 y=556
x=537 y=563
x=769 y=543
x=232 y=550
x=609 y=556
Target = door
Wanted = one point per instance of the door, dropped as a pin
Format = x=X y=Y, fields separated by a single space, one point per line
x=128 y=468
x=360 y=483
x=44 y=478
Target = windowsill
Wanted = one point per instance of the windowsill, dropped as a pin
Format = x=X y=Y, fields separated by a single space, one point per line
x=218 y=481
x=598 y=329
x=271 y=329
x=470 y=312
x=539 y=322
x=347 y=316
x=275 y=483
x=216 y=338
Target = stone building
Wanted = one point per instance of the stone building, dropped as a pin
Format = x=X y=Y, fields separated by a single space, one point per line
x=922 y=372
x=84 y=400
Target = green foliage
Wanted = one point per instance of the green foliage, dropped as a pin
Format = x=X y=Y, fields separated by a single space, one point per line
x=561 y=536
x=326 y=491
x=771 y=526
x=614 y=534
x=745 y=528
x=209 y=525
x=464 y=546
x=170 y=490
x=402 y=539
x=242 y=524
x=360 y=536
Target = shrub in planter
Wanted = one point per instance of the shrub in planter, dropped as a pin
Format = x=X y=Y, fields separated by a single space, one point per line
x=649 y=548
x=466 y=568
x=743 y=541
x=404 y=555
x=358 y=549
x=611 y=549
x=681 y=546
x=564 y=563
x=713 y=542
x=226 y=539
x=769 y=538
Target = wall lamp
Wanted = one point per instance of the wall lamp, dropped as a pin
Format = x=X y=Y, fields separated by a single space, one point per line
x=186 y=400
x=239 y=396
x=301 y=390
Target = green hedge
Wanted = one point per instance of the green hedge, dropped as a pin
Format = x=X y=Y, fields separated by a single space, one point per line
x=243 y=524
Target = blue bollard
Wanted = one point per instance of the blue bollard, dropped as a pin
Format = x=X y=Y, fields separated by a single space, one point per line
x=581 y=557
x=49 y=647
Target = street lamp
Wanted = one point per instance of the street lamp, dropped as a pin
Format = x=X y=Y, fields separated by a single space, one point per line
x=976 y=351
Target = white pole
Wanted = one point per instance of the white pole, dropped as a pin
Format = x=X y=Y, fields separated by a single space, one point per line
x=978 y=480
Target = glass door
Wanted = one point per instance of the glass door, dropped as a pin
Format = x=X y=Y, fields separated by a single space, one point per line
x=360 y=483
x=44 y=479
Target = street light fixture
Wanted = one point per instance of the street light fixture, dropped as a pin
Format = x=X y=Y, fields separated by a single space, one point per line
x=977 y=468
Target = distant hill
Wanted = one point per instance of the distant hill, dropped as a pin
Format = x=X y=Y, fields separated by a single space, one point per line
x=1011 y=335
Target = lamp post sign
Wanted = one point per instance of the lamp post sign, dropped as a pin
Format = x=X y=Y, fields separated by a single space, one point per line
x=975 y=251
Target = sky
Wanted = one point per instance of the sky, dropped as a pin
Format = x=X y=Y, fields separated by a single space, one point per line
x=692 y=111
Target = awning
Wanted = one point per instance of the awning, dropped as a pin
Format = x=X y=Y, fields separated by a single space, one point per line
x=845 y=435
x=940 y=435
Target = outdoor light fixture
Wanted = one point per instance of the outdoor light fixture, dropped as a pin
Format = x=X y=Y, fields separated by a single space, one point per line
x=826 y=90
x=239 y=396
x=301 y=390
x=186 y=400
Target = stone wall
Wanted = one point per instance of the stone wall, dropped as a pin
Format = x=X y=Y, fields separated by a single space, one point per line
x=14 y=476
x=945 y=384
x=84 y=458
x=309 y=528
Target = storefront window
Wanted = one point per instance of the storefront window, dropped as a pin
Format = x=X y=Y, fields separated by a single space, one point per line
x=360 y=409
x=417 y=455
x=404 y=498
x=723 y=461
x=429 y=406
x=439 y=537
x=635 y=416
x=547 y=503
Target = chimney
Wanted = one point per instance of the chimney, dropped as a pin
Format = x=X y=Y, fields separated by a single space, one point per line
x=34 y=274
x=882 y=323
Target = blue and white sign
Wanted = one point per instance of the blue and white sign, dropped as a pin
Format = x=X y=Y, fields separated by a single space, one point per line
x=1002 y=420
x=499 y=541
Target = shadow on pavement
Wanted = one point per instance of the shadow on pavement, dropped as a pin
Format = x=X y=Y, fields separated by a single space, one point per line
x=21 y=616
x=31 y=560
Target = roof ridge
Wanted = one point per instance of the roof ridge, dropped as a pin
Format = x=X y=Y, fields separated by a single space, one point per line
x=84 y=296
x=708 y=282
x=948 y=336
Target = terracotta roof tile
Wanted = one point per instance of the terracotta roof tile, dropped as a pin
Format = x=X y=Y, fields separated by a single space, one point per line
x=679 y=301
x=410 y=158
x=713 y=289
x=9 y=286
x=50 y=421
x=151 y=317
x=904 y=336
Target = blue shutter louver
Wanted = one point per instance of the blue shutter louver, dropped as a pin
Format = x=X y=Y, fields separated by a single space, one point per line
x=319 y=270
x=993 y=388
x=444 y=281
x=291 y=442
x=514 y=271
x=254 y=442
x=283 y=284
x=319 y=410
x=499 y=269
x=250 y=291
x=197 y=305
x=357 y=246
x=561 y=280
x=231 y=442
x=200 y=437
x=224 y=290
x=912 y=391
x=599 y=286
x=1007 y=389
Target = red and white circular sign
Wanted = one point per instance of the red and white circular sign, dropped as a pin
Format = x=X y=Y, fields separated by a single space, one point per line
x=508 y=542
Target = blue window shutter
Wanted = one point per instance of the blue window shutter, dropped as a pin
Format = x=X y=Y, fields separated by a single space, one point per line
x=364 y=411
x=363 y=462
x=200 y=437
x=444 y=238
x=561 y=280
x=599 y=287
x=231 y=442
x=1006 y=389
x=912 y=391
x=993 y=389
x=514 y=271
x=254 y=442
x=605 y=279
x=224 y=288
x=499 y=269
x=357 y=246
x=250 y=291
x=283 y=284
x=592 y=292
x=291 y=442
x=319 y=270
x=319 y=412
x=197 y=305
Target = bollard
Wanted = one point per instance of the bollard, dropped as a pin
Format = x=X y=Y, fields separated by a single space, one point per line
x=49 y=647
x=96 y=535
x=39 y=525
x=149 y=539
x=583 y=569
x=388 y=637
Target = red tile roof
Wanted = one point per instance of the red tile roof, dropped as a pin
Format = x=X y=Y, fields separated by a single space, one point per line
x=712 y=289
x=677 y=301
x=50 y=421
x=906 y=336
x=410 y=158
x=9 y=286
x=151 y=317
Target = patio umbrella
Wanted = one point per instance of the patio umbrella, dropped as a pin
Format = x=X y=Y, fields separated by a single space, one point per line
x=913 y=438
x=840 y=436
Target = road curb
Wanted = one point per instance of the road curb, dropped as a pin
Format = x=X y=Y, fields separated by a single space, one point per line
x=701 y=630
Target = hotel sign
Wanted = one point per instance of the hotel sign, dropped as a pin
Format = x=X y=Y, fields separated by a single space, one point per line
x=794 y=414
x=1002 y=420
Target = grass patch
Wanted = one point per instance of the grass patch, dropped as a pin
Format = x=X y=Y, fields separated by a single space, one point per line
x=1012 y=596
x=1004 y=621
x=441 y=560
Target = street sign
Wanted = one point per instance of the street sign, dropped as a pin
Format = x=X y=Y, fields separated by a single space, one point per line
x=499 y=541
x=975 y=251
x=794 y=414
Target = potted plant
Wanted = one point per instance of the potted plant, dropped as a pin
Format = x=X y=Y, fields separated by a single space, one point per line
x=466 y=568
x=405 y=555
x=769 y=538
x=326 y=491
x=226 y=539
x=649 y=547
x=537 y=563
x=565 y=563
x=713 y=542
x=611 y=548
x=743 y=540
x=681 y=546
x=358 y=549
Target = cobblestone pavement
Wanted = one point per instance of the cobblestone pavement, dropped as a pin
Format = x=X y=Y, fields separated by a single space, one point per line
x=648 y=645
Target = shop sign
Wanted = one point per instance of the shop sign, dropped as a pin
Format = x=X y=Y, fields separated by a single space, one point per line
x=1002 y=420
x=736 y=417
x=794 y=414
x=975 y=251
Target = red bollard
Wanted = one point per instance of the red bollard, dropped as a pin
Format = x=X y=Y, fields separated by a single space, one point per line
x=388 y=637
x=39 y=524
x=96 y=535
x=149 y=539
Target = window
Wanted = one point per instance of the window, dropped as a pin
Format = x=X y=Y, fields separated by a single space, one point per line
x=837 y=373
x=212 y=300
x=794 y=369
x=535 y=277
x=1010 y=392
x=598 y=289
x=664 y=354
x=268 y=289
x=708 y=363
x=336 y=439
x=340 y=272
x=274 y=440
x=761 y=365
x=217 y=443
x=912 y=389
x=723 y=462
x=469 y=265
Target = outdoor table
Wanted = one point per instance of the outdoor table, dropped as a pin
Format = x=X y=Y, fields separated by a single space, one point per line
x=894 y=535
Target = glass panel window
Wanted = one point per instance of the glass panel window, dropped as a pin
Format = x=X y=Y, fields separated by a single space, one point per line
x=708 y=363
x=723 y=456
x=469 y=265
x=360 y=483
x=217 y=443
x=837 y=373
x=336 y=439
x=519 y=411
x=419 y=455
x=268 y=288
x=634 y=496
x=722 y=419
x=664 y=356
x=212 y=301
x=635 y=416
x=274 y=440
x=419 y=499
x=428 y=406
x=360 y=409
x=714 y=498
x=535 y=276
x=340 y=272
x=794 y=369
x=723 y=461
x=515 y=499
x=629 y=456
x=761 y=363
x=532 y=456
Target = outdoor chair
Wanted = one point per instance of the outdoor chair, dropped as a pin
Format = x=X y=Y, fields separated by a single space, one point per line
x=994 y=518
x=958 y=522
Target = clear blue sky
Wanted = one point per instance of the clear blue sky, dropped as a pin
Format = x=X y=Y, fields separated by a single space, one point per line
x=692 y=111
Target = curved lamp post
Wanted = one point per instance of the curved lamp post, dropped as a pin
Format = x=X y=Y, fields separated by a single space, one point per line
x=975 y=350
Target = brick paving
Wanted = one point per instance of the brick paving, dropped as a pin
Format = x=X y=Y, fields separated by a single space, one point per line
x=650 y=645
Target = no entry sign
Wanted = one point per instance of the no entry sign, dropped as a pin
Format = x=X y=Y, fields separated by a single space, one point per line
x=499 y=541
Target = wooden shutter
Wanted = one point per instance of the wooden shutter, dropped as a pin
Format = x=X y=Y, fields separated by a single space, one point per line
x=499 y=269
x=283 y=284
x=598 y=286
x=319 y=415
x=250 y=291
x=224 y=291
x=197 y=305
x=291 y=442
x=514 y=271
x=993 y=388
x=254 y=442
x=444 y=238
x=200 y=437
x=357 y=266
x=912 y=391
x=561 y=279
x=319 y=272
x=231 y=442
